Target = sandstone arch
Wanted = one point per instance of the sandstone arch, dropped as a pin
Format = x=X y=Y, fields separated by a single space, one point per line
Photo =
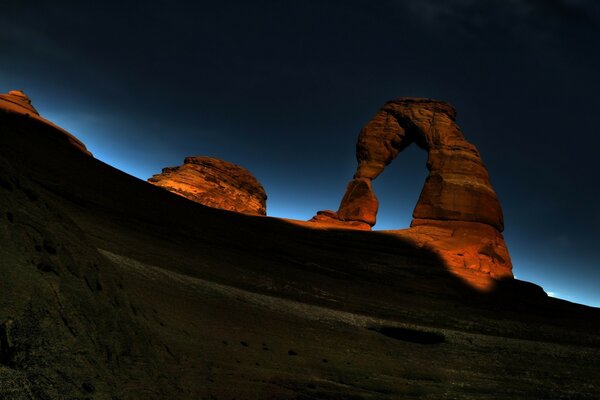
x=458 y=213
x=458 y=186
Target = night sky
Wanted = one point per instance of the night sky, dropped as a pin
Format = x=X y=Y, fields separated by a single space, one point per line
x=283 y=88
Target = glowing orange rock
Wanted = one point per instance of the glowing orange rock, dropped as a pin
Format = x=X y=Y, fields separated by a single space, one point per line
x=458 y=214
x=19 y=101
x=472 y=250
x=458 y=186
x=215 y=183
x=359 y=202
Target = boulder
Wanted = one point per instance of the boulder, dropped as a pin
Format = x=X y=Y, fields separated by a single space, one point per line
x=215 y=183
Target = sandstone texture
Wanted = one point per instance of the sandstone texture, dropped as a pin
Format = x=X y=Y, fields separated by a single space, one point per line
x=215 y=183
x=359 y=202
x=474 y=251
x=17 y=102
x=458 y=186
x=330 y=219
x=458 y=214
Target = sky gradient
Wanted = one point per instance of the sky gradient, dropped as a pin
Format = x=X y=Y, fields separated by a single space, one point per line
x=283 y=88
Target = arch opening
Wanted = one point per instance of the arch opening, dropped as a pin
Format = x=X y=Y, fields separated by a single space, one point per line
x=398 y=189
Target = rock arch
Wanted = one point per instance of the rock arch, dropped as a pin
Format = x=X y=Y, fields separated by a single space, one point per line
x=458 y=213
x=458 y=186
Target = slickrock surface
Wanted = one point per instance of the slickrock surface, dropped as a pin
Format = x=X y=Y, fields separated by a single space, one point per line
x=17 y=102
x=458 y=214
x=474 y=251
x=330 y=219
x=215 y=183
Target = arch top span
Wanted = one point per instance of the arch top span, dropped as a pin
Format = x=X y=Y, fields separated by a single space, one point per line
x=396 y=125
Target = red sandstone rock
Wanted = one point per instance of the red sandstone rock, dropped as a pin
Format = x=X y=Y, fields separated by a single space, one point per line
x=458 y=214
x=17 y=102
x=472 y=250
x=359 y=202
x=458 y=186
x=330 y=219
x=214 y=183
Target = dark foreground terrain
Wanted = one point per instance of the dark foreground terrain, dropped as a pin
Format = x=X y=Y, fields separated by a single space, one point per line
x=111 y=288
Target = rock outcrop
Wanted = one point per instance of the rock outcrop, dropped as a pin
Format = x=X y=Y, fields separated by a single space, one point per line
x=458 y=214
x=17 y=102
x=215 y=183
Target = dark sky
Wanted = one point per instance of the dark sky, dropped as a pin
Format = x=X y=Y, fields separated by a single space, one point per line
x=283 y=88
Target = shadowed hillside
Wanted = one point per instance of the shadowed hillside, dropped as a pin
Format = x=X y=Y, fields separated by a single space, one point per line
x=113 y=288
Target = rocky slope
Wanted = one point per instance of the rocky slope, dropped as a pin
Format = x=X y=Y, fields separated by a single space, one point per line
x=214 y=183
x=113 y=288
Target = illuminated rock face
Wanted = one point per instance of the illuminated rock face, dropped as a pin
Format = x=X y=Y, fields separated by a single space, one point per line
x=18 y=101
x=215 y=183
x=359 y=202
x=458 y=214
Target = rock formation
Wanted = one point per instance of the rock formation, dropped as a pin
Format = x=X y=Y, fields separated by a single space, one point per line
x=215 y=183
x=20 y=101
x=458 y=214
x=17 y=102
